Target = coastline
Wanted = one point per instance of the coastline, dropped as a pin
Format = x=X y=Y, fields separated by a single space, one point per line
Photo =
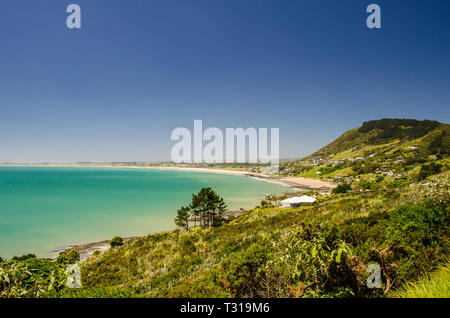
x=292 y=182
x=86 y=250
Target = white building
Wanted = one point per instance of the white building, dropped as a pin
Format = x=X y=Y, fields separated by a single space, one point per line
x=297 y=201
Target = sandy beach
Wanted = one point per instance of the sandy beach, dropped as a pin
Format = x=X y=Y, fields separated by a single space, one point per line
x=309 y=183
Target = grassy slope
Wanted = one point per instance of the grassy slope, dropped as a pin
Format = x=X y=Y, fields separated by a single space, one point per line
x=354 y=143
x=436 y=285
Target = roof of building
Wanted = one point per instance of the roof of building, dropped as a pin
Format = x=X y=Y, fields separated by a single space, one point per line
x=302 y=199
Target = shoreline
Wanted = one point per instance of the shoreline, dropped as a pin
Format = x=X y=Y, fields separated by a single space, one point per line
x=291 y=182
x=88 y=249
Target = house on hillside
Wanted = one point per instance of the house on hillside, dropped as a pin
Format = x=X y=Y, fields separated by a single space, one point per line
x=297 y=201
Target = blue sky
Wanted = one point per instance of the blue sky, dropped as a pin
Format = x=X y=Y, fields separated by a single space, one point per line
x=114 y=90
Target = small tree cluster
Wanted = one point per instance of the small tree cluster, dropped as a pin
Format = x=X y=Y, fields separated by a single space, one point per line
x=116 y=241
x=206 y=207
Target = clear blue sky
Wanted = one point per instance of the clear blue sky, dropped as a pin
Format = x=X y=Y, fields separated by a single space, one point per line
x=114 y=90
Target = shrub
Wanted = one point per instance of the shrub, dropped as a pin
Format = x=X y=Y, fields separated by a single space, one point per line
x=243 y=273
x=342 y=188
x=427 y=221
x=31 y=277
x=116 y=241
x=429 y=169
x=70 y=257
x=23 y=257
x=266 y=204
x=96 y=253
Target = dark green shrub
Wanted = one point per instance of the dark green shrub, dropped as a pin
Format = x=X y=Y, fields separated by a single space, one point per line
x=243 y=272
x=342 y=188
x=266 y=204
x=427 y=221
x=429 y=169
x=326 y=170
x=398 y=183
x=70 y=257
x=23 y=257
x=116 y=241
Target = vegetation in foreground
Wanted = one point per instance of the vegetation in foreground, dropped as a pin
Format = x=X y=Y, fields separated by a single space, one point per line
x=436 y=285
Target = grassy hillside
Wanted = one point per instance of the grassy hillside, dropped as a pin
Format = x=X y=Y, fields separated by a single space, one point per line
x=386 y=133
x=388 y=149
x=316 y=251
x=436 y=285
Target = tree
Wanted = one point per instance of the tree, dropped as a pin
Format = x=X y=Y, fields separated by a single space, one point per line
x=116 y=241
x=220 y=208
x=208 y=206
x=182 y=219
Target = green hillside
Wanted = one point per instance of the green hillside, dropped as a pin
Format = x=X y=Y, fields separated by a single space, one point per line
x=391 y=208
x=318 y=251
x=381 y=135
x=388 y=148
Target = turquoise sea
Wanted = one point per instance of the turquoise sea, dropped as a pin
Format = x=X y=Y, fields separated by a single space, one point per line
x=43 y=209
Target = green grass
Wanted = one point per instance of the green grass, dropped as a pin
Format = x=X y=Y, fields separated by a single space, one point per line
x=436 y=285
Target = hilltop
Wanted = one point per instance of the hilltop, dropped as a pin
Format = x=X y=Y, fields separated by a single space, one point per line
x=378 y=136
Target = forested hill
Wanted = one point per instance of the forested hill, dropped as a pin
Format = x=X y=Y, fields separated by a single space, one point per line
x=431 y=137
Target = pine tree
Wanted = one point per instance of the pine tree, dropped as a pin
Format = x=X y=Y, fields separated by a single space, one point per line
x=208 y=206
x=182 y=219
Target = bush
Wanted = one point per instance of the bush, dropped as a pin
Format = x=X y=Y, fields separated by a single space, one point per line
x=266 y=204
x=70 y=257
x=31 y=277
x=429 y=170
x=23 y=257
x=243 y=273
x=426 y=221
x=342 y=188
x=116 y=241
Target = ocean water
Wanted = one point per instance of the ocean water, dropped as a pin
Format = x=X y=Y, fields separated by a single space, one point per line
x=43 y=209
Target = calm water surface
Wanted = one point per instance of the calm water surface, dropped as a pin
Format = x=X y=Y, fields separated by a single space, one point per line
x=43 y=209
